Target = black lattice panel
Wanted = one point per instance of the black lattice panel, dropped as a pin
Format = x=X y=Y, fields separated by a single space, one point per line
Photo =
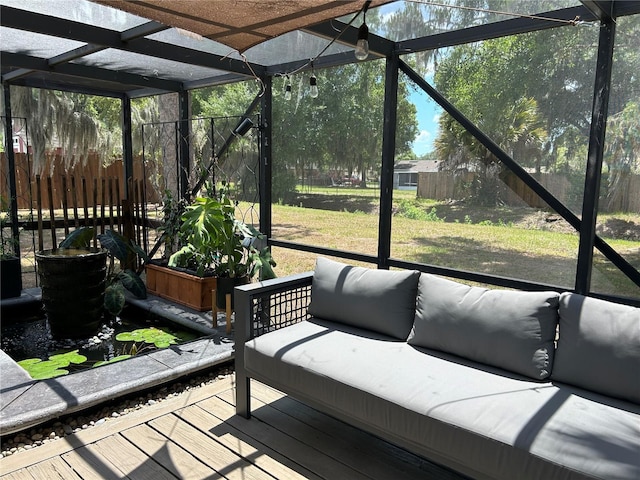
x=280 y=309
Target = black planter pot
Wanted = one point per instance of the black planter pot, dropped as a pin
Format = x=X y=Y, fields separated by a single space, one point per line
x=10 y=277
x=226 y=285
x=73 y=282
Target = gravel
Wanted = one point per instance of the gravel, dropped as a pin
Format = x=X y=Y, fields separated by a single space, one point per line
x=68 y=425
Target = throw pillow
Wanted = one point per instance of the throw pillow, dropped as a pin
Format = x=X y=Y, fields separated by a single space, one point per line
x=599 y=346
x=513 y=330
x=379 y=300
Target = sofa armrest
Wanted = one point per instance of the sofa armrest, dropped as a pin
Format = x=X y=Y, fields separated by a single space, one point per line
x=272 y=304
x=263 y=307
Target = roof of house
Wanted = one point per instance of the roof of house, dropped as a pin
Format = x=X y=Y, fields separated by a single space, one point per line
x=416 y=166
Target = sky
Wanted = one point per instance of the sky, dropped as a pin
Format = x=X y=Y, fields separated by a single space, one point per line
x=428 y=112
x=427 y=109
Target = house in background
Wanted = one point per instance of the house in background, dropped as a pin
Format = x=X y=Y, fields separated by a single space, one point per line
x=19 y=144
x=405 y=173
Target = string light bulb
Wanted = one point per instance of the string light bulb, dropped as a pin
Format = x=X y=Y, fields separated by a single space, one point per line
x=362 y=47
x=313 y=86
x=287 y=89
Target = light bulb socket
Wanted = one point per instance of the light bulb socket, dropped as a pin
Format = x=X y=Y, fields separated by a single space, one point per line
x=313 y=87
x=363 y=32
x=362 y=45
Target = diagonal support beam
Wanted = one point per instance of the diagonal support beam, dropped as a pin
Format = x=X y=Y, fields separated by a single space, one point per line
x=225 y=146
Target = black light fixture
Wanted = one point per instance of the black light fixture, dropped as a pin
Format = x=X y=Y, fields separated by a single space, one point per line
x=243 y=127
x=287 y=89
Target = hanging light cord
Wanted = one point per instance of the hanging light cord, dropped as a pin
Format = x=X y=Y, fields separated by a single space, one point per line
x=575 y=21
x=363 y=10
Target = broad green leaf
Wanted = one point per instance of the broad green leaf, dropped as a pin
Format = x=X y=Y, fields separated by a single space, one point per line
x=28 y=362
x=79 y=238
x=114 y=298
x=115 y=243
x=133 y=283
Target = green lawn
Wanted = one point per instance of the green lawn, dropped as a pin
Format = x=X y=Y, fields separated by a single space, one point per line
x=495 y=241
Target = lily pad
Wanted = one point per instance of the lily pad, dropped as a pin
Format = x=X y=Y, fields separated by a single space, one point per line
x=53 y=367
x=155 y=336
x=64 y=359
x=113 y=360
x=42 y=369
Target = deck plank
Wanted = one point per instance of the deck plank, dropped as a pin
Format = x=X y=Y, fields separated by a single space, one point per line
x=341 y=449
x=91 y=435
x=298 y=451
x=53 y=469
x=411 y=465
x=171 y=456
x=207 y=450
x=22 y=474
x=90 y=465
x=256 y=453
x=131 y=461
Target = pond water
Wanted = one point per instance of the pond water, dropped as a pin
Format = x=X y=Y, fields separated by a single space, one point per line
x=27 y=340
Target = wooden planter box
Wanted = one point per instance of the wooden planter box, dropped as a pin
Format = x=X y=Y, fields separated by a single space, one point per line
x=181 y=287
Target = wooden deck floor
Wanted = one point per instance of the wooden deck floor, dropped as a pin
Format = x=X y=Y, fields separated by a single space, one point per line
x=198 y=436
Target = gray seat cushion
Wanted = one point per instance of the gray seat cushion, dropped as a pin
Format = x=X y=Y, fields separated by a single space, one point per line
x=599 y=346
x=459 y=414
x=380 y=300
x=509 y=329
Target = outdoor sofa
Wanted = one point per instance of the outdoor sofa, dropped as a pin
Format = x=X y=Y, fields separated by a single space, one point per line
x=496 y=384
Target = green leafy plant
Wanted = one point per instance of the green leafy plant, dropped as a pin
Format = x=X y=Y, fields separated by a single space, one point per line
x=215 y=241
x=118 y=280
x=172 y=210
x=409 y=209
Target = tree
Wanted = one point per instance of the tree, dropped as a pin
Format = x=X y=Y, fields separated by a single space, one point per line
x=55 y=119
x=76 y=123
x=481 y=82
x=341 y=130
x=622 y=151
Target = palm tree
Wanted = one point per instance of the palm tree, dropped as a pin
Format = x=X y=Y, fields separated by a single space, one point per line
x=518 y=131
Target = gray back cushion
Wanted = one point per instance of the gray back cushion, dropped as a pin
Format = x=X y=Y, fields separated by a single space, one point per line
x=599 y=346
x=512 y=330
x=379 y=300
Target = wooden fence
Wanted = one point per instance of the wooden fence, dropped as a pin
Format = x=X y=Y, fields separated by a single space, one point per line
x=446 y=186
x=65 y=198
x=99 y=182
